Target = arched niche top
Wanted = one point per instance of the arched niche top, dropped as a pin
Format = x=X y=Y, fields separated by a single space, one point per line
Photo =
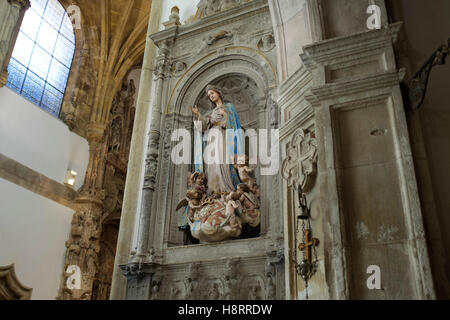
x=239 y=89
x=234 y=60
x=10 y=286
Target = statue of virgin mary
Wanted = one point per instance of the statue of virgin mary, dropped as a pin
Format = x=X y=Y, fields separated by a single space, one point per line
x=221 y=143
x=222 y=196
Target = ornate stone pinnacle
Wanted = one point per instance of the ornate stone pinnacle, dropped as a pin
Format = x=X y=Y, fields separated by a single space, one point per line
x=174 y=18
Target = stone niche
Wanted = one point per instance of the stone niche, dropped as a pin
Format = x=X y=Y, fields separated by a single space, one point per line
x=230 y=48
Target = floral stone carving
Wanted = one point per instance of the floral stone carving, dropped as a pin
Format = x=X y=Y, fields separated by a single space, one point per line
x=300 y=166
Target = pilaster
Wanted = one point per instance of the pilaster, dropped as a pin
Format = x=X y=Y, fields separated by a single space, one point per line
x=368 y=191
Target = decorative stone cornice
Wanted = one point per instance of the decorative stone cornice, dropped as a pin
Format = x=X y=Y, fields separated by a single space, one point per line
x=305 y=115
x=335 y=90
x=290 y=87
x=214 y=21
x=357 y=44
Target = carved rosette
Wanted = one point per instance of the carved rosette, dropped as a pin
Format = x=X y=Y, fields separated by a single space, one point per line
x=300 y=165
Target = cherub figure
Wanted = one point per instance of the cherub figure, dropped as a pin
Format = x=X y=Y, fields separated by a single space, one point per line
x=245 y=198
x=196 y=194
x=244 y=171
x=231 y=205
x=250 y=203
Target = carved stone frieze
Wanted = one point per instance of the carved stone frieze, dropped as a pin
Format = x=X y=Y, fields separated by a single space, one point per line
x=209 y=7
x=192 y=281
x=230 y=279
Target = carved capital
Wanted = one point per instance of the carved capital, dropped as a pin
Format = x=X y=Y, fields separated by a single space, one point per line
x=91 y=196
x=95 y=132
x=23 y=4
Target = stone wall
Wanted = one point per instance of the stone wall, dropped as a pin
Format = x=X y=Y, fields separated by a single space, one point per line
x=365 y=205
x=423 y=33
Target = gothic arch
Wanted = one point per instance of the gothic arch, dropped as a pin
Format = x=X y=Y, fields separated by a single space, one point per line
x=238 y=60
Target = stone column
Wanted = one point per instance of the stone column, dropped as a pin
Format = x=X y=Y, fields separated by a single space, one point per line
x=137 y=150
x=83 y=245
x=151 y=161
x=11 y=16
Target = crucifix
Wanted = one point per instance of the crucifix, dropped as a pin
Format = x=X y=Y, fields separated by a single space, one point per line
x=308 y=245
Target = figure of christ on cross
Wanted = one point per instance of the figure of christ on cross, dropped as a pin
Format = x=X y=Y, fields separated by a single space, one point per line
x=307 y=246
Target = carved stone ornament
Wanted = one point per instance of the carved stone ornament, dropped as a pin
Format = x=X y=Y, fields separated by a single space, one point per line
x=10 y=286
x=417 y=85
x=213 y=38
x=174 y=18
x=20 y=3
x=178 y=68
x=207 y=8
x=300 y=165
x=267 y=43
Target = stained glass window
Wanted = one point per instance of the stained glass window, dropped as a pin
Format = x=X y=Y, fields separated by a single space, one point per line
x=42 y=57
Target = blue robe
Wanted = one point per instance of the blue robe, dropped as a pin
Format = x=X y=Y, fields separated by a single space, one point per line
x=237 y=149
